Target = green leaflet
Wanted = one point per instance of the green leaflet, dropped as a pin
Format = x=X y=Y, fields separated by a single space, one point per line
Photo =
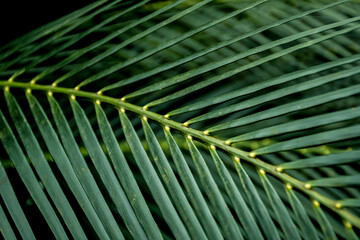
x=227 y=222
x=312 y=140
x=301 y=124
x=46 y=29
x=277 y=94
x=351 y=235
x=126 y=177
x=324 y=222
x=97 y=171
x=116 y=48
x=196 y=198
x=81 y=52
x=64 y=165
x=211 y=66
x=302 y=217
x=342 y=181
x=5 y=227
x=351 y=202
x=73 y=40
x=265 y=84
x=73 y=25
x=166 y=44
x=289 y=107
x=12 y=204
x=279 y=208
x=257 y=205
x=19 y=160
x=242 y=210
x=106 y=173
x=83 y=172
x=322 y=161
x=152 y=180
x=174 y=188
x=148 y=53
x=42 y=167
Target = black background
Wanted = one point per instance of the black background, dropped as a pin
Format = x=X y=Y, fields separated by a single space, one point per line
x=19 y=17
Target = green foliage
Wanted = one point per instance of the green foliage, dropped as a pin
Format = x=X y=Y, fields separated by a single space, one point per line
x=184 y=119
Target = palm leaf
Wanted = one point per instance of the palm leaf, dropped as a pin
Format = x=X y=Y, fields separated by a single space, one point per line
x=184 y=119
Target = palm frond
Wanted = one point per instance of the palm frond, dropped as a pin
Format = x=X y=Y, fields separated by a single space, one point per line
x=263 y=140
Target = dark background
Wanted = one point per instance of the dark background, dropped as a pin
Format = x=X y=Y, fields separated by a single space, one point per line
x=19 y=17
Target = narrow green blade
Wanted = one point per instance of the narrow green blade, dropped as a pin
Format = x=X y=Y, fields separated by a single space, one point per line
x=302 y=218
x=218 y=46
x=300 y=124
x=106 y=173
x=182 y=204
x=128 y=41
x=227 y=221
x=351 y=202
x=323 y=161
x=152 y=180
x=351 y=235
x=312 y=140
x=282 y=92
x=257 y=205
x=79 y=53
x=324 y=222
x=211 y=66
x=26 y=174
x=12 y=204
x=196 y=198
x=264 y=84
x=82 y=171
x=342 y=181
x=279 y=208
x=126 y=177
x=289 y=107
x=242 y=210
x=5 y=227
x=64 y=165
x=41 y=165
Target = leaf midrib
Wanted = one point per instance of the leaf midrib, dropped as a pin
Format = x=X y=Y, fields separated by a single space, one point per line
x=208 y=140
